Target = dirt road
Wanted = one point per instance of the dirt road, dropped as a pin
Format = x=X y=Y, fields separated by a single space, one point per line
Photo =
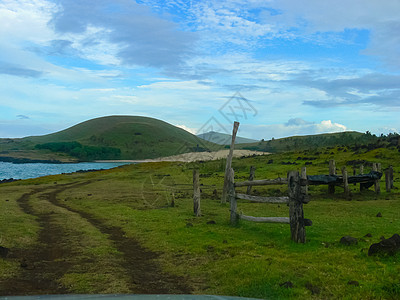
x=59 y=252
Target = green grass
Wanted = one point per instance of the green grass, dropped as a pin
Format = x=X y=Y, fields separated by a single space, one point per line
x=251 y=259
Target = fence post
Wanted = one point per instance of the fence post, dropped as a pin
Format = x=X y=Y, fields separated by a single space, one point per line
x=229 y=162
x=296 y=215
x=332 y=171
x=345 y=182
x=304 y=189
x=391 y=176
x=377 y=168
x=387 y=180
x=361 y=173
x=251 y=178
x=232 y=197
x=196 y=193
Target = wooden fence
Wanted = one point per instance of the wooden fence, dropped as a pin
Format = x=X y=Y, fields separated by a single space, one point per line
x=364 y=181
x=295 y=201
x=297 y=191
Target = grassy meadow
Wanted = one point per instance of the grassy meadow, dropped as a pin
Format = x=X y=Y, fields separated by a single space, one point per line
x=152 y=203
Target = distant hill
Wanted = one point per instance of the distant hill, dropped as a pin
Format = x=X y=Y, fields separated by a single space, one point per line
x=223 y=138
x=310 y=142
x=113 y=137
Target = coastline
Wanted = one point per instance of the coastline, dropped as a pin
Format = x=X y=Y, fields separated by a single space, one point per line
x=185 y=157
x=193 y=156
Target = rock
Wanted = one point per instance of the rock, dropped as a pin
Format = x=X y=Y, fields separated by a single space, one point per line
x=313 y=288
x=348 y=240
x=388 y=246
x=4 y=251
x=326 y=244
x=24 y=264
x=379 y=215
x=211 y=222
x=287 y=284
x=353 y=282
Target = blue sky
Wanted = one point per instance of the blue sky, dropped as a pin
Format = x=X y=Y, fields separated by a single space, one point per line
x=280 y=68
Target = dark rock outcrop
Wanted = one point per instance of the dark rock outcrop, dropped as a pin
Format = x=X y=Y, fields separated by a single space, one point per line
x=389 y=246
x=348 y=240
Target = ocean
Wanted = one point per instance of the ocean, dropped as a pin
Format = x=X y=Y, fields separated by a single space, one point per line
x=32 y=170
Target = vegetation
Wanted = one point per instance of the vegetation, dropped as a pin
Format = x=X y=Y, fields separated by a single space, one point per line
x=83 y=153
x=206 y=253
x=135 y=137
x=313 y=142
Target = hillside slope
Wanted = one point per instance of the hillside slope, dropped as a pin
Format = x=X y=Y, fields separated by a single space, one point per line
x=223 y=138
x=125 y=137
x=309 y=142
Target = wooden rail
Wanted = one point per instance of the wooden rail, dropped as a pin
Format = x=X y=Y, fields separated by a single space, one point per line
x=274 y=200
x=283 y=220
x=262 y=182
x=295 y=201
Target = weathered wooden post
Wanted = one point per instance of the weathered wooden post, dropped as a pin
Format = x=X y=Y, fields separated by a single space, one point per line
x=391 y=176
x=387 y=180
x=361 y=172
x=304 y=188
x=332 y=171
x=173 y=199
x=196 y=193
x=232 y=197
x=296 y=215
x=229 y=162
x=377 y=168
x=345 y=182
x=251 y=178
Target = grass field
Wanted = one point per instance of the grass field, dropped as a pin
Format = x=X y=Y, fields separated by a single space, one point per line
x=115 y=231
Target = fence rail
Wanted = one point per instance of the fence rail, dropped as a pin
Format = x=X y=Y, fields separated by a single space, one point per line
x=295 y=201
x=274 y=200
x=283 y=220
x=262 y=182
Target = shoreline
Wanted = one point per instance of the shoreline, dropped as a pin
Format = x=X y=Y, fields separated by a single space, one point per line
x=192 y=156
x=185 y=157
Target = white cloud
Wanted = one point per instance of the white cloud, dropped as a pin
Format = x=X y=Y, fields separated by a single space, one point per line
x=291 y=128
x=176 y=85
x=26 y=20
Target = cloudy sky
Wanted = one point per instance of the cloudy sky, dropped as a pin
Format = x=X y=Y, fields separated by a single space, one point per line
x=280 y=67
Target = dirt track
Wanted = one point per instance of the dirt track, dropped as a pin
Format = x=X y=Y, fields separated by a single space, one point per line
x=44 y=265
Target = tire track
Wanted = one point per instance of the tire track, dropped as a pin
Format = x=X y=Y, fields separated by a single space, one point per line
x=145 y=273
x=43 y=265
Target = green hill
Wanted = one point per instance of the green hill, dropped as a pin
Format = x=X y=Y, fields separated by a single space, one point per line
x=311 y=142
x=113 y=137
x=223 y=138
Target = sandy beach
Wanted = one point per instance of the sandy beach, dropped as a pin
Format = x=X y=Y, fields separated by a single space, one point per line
x=195 y=156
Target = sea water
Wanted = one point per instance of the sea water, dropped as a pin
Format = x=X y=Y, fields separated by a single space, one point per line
x=32 y=170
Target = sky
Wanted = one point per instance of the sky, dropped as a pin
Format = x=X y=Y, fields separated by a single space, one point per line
x=279 y=67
